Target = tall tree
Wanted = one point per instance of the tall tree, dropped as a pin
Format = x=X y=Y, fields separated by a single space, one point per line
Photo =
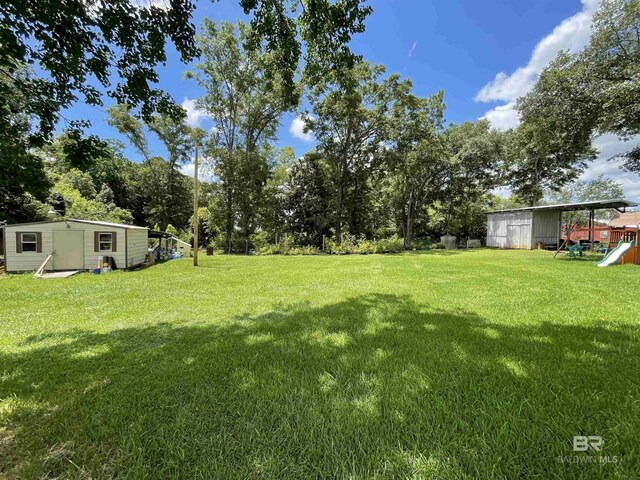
x=162 y=176
x=600 y=188
x=540 y=160
x=245 y=99
x=349 y=121
x=477 y=156
x=308 y=205
x=273 y=211
x=594 y=91
x=417 y=157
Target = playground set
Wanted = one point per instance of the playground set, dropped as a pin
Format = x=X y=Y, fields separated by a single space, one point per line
x=623 y=248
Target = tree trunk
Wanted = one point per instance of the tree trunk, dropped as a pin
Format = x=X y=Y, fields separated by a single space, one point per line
x=229 y=228
x=407 y=232
x=408 y=227
x=339 y=212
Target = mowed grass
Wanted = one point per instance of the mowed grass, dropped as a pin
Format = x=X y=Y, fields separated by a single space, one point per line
x=471 y=364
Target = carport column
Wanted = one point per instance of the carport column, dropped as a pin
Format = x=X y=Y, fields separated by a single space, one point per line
x=591 y=227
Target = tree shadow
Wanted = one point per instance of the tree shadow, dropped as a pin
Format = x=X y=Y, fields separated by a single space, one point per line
x=587 y=258
x=375 y=386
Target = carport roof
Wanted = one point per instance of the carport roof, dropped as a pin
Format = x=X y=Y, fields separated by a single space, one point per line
x=159 y=234
x=618 y=204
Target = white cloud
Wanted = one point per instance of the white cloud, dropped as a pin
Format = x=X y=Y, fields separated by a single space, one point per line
x=610 y=145
x=205 y=173
x=194 y=115
x=297 y=130
x=412 y=50
x=189 y=170
x=164 y=4
x=572 y=35
x=503 y=117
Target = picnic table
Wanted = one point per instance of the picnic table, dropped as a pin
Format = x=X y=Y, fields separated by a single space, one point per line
x=576 y=249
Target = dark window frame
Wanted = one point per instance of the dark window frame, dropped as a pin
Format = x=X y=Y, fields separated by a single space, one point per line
x=102 y=242
x=23 y=242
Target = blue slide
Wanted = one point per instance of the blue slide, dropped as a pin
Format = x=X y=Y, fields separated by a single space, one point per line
x=614 y=256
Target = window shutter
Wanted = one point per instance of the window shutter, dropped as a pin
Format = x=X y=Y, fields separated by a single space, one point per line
x=39 y=242
x=18 y=243
x=114 y=241
x=96 y=241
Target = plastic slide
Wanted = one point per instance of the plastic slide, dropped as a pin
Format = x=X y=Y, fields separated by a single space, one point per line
x=616 y=254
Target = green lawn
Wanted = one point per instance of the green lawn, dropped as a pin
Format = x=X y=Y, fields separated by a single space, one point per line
x=471 y=364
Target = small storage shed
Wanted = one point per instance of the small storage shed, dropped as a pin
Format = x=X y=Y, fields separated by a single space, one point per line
x=448 y=242
x=181 y=247
x=75 y=245
x=525 y=227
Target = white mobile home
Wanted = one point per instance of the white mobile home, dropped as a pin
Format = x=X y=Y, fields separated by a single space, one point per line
x=525 y=227
x=74 y=245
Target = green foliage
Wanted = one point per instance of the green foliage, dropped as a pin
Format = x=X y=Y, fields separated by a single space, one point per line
x=543 y=160
x=83 y=208
x=80 y=181
x=349 y=120
x=183 y=235
x=418 y=165
x=308 y=201
x=594 y=91
x=393 y=244
x=287 y=249
x=496 y=202
x=322 y=29
x=102 y=41
x=72 y=150
x=245 y=100
x=22 y=171
x=600 y=188
x=206 y=230
x=351 y=245
x=165 y=193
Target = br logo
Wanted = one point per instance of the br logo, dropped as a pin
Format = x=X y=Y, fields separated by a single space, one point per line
x=583 y=443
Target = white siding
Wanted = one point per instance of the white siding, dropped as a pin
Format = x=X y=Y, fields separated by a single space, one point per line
x=509 y=229
x=185 y=250
x=30 y=261
x=138 y=241
x=546 y=226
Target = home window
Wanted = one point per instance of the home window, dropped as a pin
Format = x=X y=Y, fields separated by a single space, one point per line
x=29 y=242
x=105 y=242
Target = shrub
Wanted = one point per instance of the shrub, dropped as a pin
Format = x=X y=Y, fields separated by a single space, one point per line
x=286 y=243
x=260 y=240
x=286 y=249
x=393 y=244
x=306 y=250
x=364 y=247
x=345 y=247
x=349 y=244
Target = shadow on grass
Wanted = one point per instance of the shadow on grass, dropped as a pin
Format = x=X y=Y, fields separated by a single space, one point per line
x=373 y=386
x=588 y=258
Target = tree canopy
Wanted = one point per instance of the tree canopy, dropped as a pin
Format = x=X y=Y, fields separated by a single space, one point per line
x=594 y=91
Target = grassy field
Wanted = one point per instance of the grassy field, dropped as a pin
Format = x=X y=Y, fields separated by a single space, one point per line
x=471 y=364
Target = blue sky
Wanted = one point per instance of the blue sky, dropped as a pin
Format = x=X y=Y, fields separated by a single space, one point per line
x=483 y=54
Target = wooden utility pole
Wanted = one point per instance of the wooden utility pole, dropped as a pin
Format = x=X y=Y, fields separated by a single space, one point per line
x=195 y=208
